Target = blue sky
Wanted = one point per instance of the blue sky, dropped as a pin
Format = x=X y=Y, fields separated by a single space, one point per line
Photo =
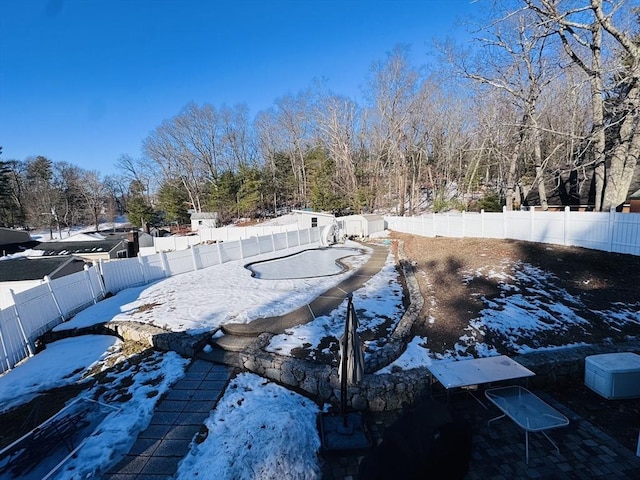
x=84 y=81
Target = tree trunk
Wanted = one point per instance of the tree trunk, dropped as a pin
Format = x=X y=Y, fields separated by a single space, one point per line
x=624 y=157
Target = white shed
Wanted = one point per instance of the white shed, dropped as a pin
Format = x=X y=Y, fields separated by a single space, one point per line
x=362 y=225
x=309 y=219
x=203 y=220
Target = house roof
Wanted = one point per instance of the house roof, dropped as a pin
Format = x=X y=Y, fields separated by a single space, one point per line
x=9 y=248
x=78 y=248
x=24 y=268
x=312 y=213
x=635 y=195
x=204 y=216
x=369 y=217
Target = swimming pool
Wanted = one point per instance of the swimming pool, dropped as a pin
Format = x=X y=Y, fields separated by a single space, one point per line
x=316 y=262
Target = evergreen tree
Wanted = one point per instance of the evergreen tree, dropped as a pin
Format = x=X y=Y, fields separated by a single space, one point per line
x=248 y=195
x=173 y=201
x=139 y=213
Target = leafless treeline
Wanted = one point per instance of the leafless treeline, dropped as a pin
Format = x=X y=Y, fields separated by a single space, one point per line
x=541 y=104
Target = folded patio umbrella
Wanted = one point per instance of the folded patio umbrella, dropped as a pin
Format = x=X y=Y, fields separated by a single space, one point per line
x=351 y=366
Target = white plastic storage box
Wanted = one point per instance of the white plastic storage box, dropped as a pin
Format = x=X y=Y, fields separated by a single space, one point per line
x=613 y=375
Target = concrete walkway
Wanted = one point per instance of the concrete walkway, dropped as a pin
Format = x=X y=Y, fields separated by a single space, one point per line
x=177 y=419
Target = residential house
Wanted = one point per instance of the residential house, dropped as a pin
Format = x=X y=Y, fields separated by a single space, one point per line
x=22 y=273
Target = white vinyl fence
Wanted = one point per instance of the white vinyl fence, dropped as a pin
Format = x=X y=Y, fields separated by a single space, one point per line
x=221 y=234
x=39 y=309
x=607 y=231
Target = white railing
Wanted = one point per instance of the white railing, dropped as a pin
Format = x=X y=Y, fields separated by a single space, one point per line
x=608 y=231
x=39 y=309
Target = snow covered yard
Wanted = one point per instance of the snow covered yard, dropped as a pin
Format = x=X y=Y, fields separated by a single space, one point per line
x=514 y=306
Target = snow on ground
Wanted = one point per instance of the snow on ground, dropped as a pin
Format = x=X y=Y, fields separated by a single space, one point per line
x=232 y=296
x=378 y=306
x=135 y=388
x=54 y=367
x=277 y=423
x=54 y=236
x=259 y=430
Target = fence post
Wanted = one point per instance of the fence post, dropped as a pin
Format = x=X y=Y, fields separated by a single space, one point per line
x=219 y=252
x=88 y=277
x=273 y=242
x=504 y=221
x=612 y=226
x=5 y=353
x=241 y=250
x=433 y=220
x=20 y=326
x=531 y=222
x=47 y=280
x=141 y=263
x=482 y=223
x=298 y=232
x=194 y=258
x=464 y=223
x=258 y=243
x=98 y=265
x=165 y=265
x=565 y=236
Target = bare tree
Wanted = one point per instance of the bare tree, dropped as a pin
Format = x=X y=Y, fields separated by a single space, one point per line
x=94 y=193
x=514 y=60
x=582 y=25
x=337 y=120
x=293 y=118
x=392 y=93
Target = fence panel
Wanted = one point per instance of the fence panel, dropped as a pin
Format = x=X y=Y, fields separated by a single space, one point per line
x=548 y=227
x=179 y=262
x=152 y=267
x=13 y=347
x=72 y=292
x=493 y=225
x=265 y=244
x=230 y=251
x=280 y=240
x=121 y=274
x=174 y=243
x=589 y=230
x=293 y=239
x=304 y=236
x=250 y=247
x=209 y=255
x=314 y=234
x=517 y=225
x=37 y=310
x=95 y=281
x=626 y=233
x=472 y=224
x=450 y=225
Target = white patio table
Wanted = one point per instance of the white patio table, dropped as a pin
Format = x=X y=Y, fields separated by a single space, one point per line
x=477 y=371
x=527 y=410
